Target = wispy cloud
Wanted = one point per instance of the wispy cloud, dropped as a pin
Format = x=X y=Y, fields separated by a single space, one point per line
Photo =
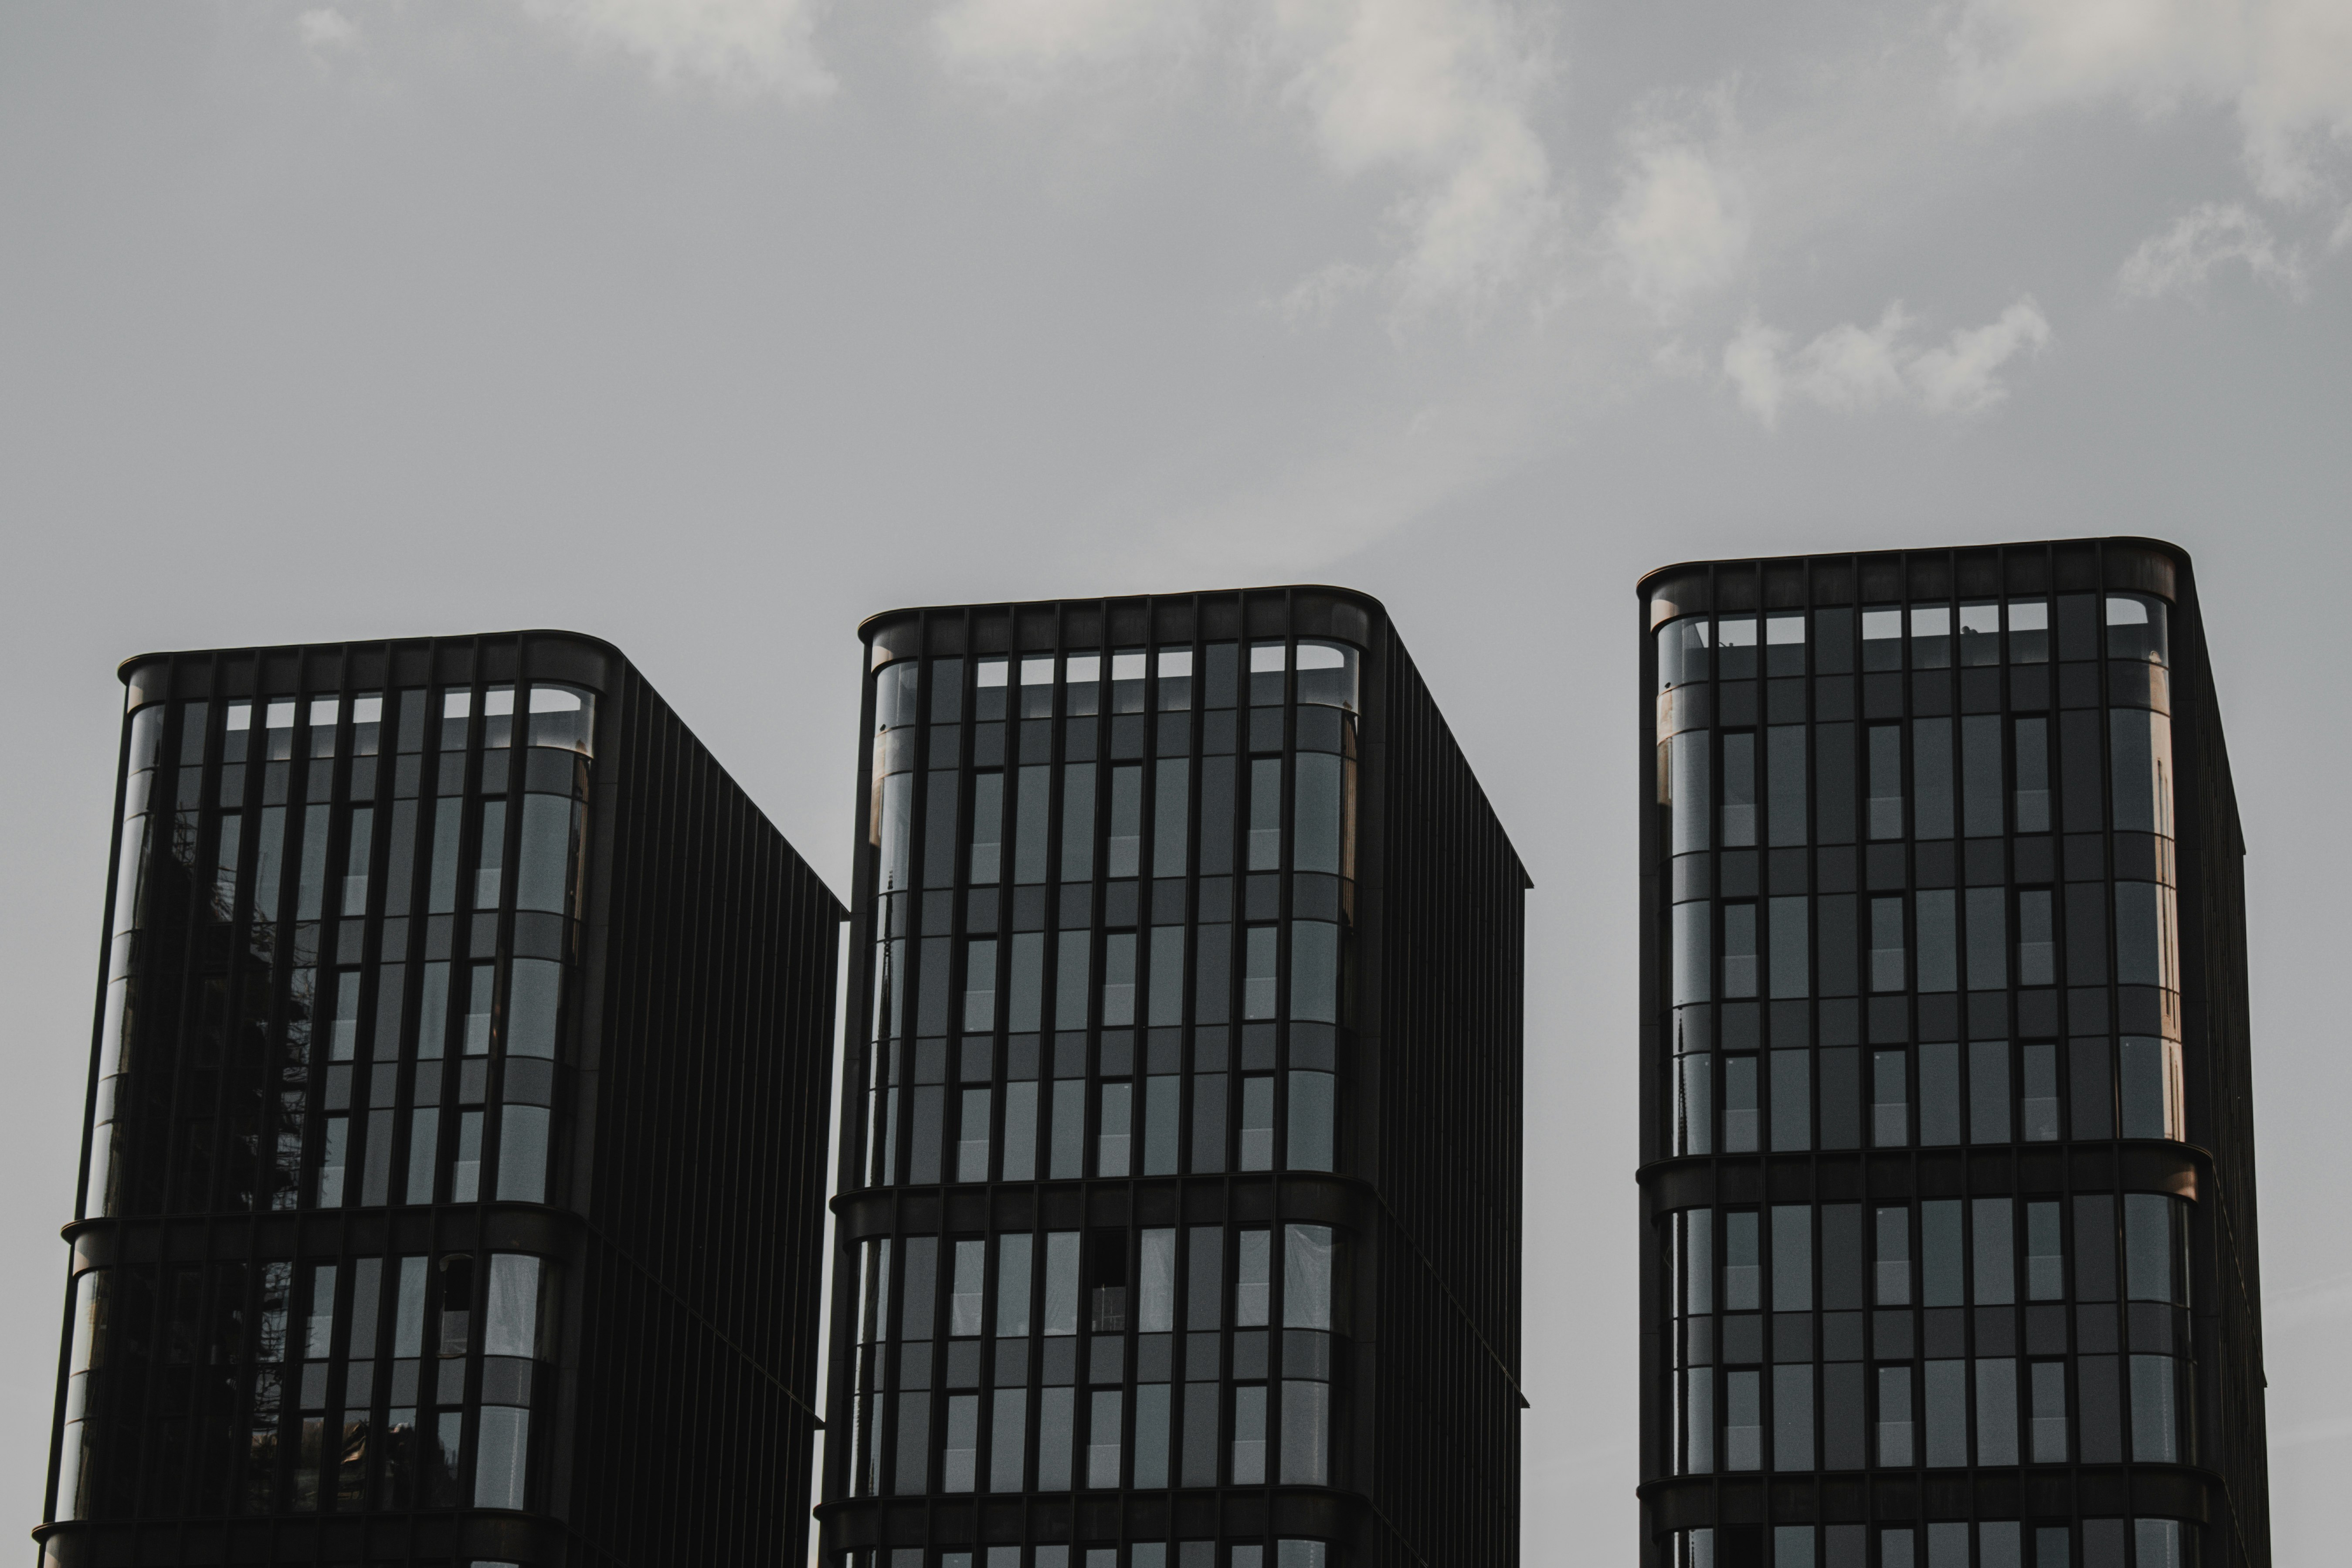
x=2181 y=259
x=1679 y=227
x=738 y=48
x=327 y=32
x=1026 y=47
x=1438 y=96
x=1962 y=376
x=1849 y=367
x=2284 y=66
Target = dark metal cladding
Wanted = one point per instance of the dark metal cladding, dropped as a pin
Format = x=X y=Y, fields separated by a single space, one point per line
x=1179 y=1206
x=453 y=1191
x=1948 y=1213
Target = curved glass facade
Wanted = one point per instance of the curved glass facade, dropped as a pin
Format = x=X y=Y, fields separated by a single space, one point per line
x=1172 y=1033
x=330 y=1229
x=1926 y=1179
x=308 y=1006
x=1112 y=1012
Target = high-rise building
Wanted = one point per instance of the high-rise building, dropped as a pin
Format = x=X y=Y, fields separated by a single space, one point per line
x=1179 y=1223
x=456 y=1138
x=1949 y=1235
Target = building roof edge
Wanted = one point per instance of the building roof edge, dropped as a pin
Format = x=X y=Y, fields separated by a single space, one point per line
x=2180 y=556
x=123 y=671
x=883 y=617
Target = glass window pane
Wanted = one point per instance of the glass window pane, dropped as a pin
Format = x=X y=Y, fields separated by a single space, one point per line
x=1994 y=1252
x=1739 y=788
x=1793 y=1258
x=1306 y=1280
x=1785 y=787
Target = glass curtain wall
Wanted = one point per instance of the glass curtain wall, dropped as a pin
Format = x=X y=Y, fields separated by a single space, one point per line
x=342 y=935
x=1914 y=857
x=1114 y=902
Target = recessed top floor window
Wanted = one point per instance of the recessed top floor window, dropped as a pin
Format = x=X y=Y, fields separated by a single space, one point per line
x=367 y=723
x=990 y=680
x=893 y=696
x=2029 y=631
x=1940 y=635
x=498 y=717
x=1133 y=674
x=1784 y=644
x=236 y=732
x=1735 y=641
x=1979 y=633
x=1328 y=674
x=1690 y=650
x=277 y=730
x=555 y=716
x=323 y=713
x=1931 y=636
x=1175 y=674
x=456 y=714
x=2139 y=628
x=1129 y=669
x=1684 y=652
x=1129 y=680
x=1266 y=661
x=1082 y=684
x=563 y=718
x=320 y=720
x=1882 y=636
x=1038 y=687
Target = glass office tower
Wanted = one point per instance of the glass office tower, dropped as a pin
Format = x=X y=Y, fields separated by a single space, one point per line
x=455 y=1175
x=1948 y=1251
x=1179 y=1223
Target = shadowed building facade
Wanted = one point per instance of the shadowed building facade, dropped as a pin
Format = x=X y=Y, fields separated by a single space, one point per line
x=453 y=1179
x=1179 y=1223
x=1949 y=1212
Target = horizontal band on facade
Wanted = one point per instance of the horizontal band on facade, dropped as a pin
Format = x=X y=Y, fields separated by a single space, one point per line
x=1245 y=1196
x=1249 y=1513
x=324 y=1233
x=468 y=1535
x=2169 y=1491
x=2143 y=1165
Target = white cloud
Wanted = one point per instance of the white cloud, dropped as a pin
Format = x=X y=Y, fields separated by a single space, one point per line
x=2178 y=260
x=326 y=31
x=1852 y=367
x=1027 y=47
x=738 y=48
x=1751 y=363
x=1441 y=93
x=1960 y=377
x=1680 y=228
x=2284 y=66
x=1437 y=95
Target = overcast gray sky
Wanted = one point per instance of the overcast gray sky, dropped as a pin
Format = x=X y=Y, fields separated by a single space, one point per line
x=711 y=326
